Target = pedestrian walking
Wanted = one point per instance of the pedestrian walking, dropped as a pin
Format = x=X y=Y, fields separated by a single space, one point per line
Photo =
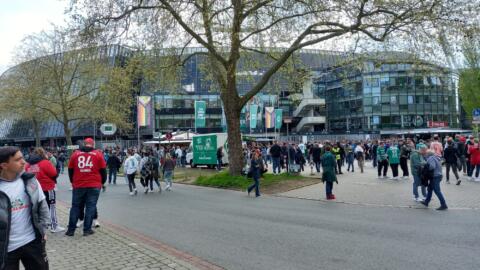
x=146 y=171
x=316 y=153
x=382 y=160
x=130 y=170
x=23 y=214
x=360 y=156
x=405 y=150
x=219 y=158
x=436 y=146
x=329 y=176
x=393 y=154
x=435 y=167
x=88 y=174
x=46 y=175
x=113 y=164
x=350 y=157
x=474 y=151
x=255 y=171
x=462 y=155
x=167 y=170
x=336 y=151
x=276 y=153
x=451 y=160
x=417 y=162
x=374 y=154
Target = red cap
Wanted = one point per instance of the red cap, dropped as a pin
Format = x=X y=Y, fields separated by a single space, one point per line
x=89 y=141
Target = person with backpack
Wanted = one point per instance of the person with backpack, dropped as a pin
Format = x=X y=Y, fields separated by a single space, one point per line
x=23 y=214
x=451 y=159
x=433 y=173
x=146 y=171
x=417 y=162
x=393 y=154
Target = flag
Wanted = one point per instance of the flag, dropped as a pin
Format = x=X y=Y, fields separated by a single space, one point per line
x=269 y=117
x=144 y=111
x=278 y=118
x=200 y=111
x=253 y=115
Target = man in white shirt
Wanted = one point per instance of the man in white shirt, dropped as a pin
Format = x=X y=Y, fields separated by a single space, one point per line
x=21 y=199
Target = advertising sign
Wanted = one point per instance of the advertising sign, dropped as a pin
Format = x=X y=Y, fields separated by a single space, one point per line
x=200 y=111
x=205 y=149
x=253 y=115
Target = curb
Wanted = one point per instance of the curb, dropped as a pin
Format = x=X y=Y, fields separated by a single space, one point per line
x=194 y=261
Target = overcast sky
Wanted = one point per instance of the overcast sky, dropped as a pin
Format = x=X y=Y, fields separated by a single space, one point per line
x=19 y=18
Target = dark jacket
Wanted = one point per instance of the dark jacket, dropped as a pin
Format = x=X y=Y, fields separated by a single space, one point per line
x=39 y=213
x=450 y=155
x=275 y=151
x=113 y=162
x=316 y=154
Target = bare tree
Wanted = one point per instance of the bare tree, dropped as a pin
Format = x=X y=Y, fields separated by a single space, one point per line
x=226 y=29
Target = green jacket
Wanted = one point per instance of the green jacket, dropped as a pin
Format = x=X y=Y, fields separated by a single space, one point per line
x=393 y=154
x=416 y=162
x=381 y=154
x=328 y=165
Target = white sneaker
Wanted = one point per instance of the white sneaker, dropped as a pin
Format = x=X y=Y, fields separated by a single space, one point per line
x=477 y=180
x=132 y=193
x=420 y=199
x=79 y=223
x=96 y=224
x=58 y=229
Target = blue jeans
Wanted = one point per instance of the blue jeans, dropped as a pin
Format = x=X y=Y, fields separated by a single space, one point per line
x=276 y=164
x=87 y=197
x=255 y=185
x=219 y=164
x=417 y=182
x=434 y=186
x=318 y=165
x=112 y=172
x=328 y=187
x=167 y=177
x=475 y=168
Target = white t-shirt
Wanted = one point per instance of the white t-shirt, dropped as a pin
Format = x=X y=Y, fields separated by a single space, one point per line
x=21 y=228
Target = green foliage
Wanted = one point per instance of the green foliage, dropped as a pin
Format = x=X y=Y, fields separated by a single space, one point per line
x=469 y=89
x=225 y=180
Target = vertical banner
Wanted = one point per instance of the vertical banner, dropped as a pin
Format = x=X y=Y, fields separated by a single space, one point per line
x=200 y=110
x=253 y=115
x=269 y=123
x=278 y=118
x=224 y=120
x=144 y=111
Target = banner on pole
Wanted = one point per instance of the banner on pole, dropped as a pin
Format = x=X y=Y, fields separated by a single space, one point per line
x=200 y=112
x=144 y=111
x=253 y=115
x=269 y=117
x=278 y=118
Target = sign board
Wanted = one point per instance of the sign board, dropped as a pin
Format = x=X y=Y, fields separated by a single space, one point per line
x=205 y=149
x=73 y=147
x=287 y=120
x=157 y=135
x=200 y=112
x=476 y=116
x=433 y=124
x=108 y=129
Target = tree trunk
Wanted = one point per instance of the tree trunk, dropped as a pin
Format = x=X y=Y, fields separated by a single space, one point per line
x=36 y=130
x=68 y=133
x=232 y=115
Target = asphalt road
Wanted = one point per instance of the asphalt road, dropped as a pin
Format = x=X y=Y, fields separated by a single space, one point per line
x=237 y=232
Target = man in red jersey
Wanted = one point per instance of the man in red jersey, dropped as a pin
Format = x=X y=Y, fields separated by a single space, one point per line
x=87 y=172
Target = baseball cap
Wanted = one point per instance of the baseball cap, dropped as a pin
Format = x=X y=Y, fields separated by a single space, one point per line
x=89 y=141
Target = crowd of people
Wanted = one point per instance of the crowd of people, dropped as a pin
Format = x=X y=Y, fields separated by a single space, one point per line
x=34 y=177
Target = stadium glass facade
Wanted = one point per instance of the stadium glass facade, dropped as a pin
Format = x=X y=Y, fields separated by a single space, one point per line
x=382 y=96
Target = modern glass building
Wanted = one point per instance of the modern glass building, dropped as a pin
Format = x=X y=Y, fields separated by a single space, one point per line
x=388 y=94
x=384 y=93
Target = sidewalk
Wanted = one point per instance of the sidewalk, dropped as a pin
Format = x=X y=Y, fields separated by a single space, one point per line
x=114 y=247
x=366 y=189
